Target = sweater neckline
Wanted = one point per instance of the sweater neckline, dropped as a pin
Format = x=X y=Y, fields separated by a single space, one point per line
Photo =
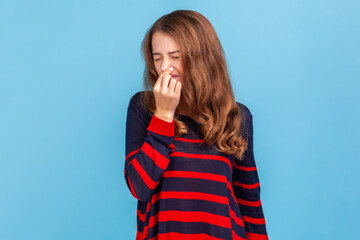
x=187 y=118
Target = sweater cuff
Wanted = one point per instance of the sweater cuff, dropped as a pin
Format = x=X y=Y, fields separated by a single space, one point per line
x=254 y=236
x=162 y=127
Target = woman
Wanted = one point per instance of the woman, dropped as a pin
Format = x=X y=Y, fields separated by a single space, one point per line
x=189 y=144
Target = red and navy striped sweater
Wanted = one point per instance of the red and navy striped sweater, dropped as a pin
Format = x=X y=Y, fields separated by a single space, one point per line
x=187 y=191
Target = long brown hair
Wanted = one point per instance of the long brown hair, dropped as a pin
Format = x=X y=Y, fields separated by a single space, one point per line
x=206 y=86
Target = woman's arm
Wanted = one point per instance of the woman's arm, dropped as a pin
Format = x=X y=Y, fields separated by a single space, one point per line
x=148 y=145
x=247 y=188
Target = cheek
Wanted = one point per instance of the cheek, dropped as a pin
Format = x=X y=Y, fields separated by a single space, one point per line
x=157 y=67
x=178 y=66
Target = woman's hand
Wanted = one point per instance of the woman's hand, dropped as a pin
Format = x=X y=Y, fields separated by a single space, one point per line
x=167 y=96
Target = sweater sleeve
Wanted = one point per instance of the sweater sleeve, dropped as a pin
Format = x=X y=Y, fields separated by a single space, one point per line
x=147 y=150
x=247 y=188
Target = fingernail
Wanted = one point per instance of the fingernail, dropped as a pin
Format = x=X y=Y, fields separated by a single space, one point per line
x=171 y=68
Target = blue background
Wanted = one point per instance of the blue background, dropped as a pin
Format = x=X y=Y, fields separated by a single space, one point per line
x=69 y=68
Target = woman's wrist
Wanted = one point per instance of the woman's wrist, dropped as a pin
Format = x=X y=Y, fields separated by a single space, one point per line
x=168 y=117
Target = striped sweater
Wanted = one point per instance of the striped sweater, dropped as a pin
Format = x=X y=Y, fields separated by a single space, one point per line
x=187 y=191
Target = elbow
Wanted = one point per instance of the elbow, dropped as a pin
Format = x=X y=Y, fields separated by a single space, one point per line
x=136 y=190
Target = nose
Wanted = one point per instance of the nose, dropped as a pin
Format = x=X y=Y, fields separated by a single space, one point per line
x=165 y=64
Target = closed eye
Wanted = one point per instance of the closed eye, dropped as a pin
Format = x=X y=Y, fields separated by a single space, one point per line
x=159 y=58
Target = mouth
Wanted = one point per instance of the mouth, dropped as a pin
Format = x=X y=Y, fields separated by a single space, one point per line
x=174 y=76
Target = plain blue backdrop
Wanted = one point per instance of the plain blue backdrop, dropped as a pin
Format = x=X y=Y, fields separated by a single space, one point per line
x=69 y=68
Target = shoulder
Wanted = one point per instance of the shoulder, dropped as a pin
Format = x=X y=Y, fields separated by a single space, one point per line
x=244 y=110
x=136 y=104
x=246 y=115
x=137 y=101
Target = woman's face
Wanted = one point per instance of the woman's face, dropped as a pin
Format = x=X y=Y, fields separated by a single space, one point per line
x=166 y=54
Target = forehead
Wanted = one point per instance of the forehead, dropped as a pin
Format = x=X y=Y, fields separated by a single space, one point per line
x=163 y=43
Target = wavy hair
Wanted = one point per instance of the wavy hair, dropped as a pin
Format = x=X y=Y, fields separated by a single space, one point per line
x=206 y=86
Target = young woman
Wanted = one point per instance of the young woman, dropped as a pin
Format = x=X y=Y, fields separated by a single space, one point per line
x=189 y=144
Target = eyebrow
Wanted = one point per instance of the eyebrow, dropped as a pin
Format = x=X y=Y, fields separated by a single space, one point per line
x=155 y=53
